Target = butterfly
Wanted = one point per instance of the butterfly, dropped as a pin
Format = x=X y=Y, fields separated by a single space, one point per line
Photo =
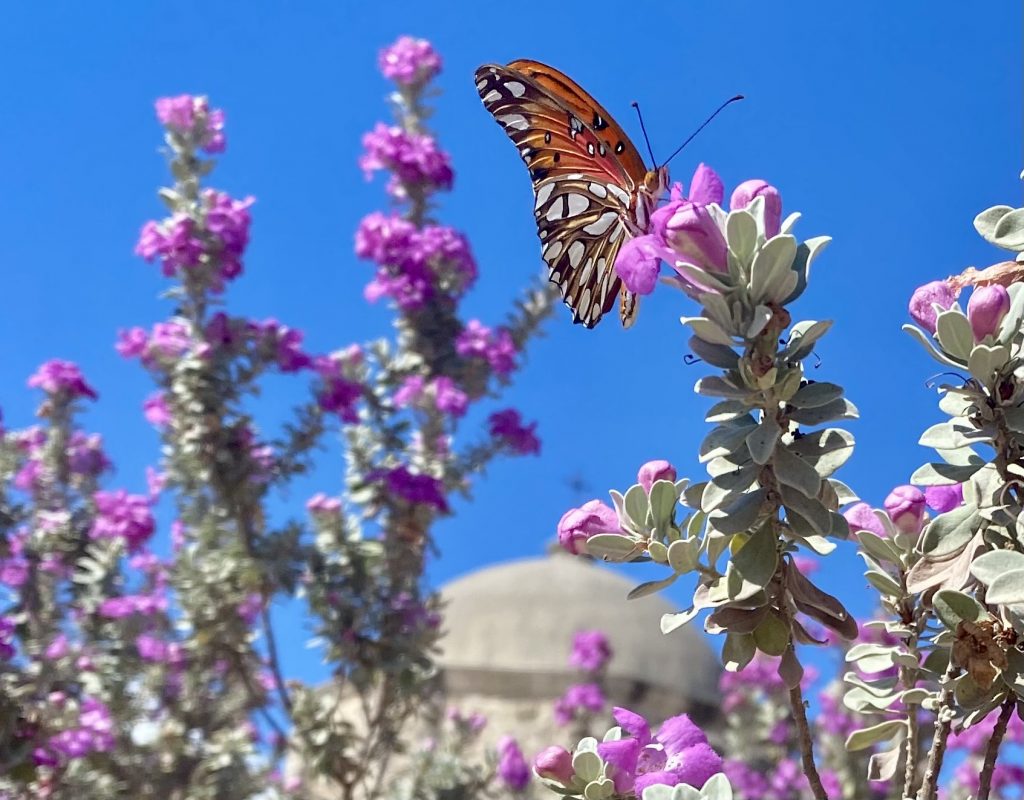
x=591 y=187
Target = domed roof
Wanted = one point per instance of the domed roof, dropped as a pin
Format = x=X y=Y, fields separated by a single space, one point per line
x=520 y=617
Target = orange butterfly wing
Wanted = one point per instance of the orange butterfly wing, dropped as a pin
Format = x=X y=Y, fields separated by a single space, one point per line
x=586 y=175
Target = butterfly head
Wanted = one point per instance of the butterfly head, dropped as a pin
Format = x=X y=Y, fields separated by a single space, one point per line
x=655 y=183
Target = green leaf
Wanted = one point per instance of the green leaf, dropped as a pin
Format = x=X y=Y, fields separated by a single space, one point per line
x=651 y=587
x=601 y=789
x=772 y=264
x=812 y=395
x=1007 y=588
x=882 y=765
x=637 y=505
x=663 y=501
x=726 y=439
x=884 y=583
x=704 y=328
x=837 y=409
x=718 y=387
x=738 y=650
x=587 y=765
x=1009 y=231
x=1010 y=324
x=612 y=547
x=938 y=474
x=802 y=338
x=986 y=361
x=923 y=339
x=790 y=669
x=878 y=548
x=669 y=622
x=716 y=787
x=683 y=555
x=741 y=235
x=954 y=333
x=772 y=636
x=741 y=516
x=949 y=532
x=717 y=355
x=762 y=440
x=726 y=411
x=985 y=223
x=810 y=509
x=805 y=255
x=793 y=471
x=758 y=558
x=953 y=607
x=989 y=566
x=882 y=732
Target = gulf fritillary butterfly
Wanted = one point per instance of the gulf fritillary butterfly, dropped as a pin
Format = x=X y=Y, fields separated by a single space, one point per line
x=592 y=189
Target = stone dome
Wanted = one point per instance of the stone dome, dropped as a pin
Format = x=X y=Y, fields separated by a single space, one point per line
x=509 y=628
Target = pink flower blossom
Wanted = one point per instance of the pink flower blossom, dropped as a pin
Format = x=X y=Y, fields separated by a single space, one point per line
x=156 y=411
x=944 y=498
x=555 y=764
x=744 y=194
x=476 y=340
x=412 y=158
x=409 y=61
x=120 y=515
x=658 y=470
x=591 y=651
x=579 y=698
x=579 y=524
x=905 y=505
x=861 y=517
x=64 y=378
x=924 y=300
x=986 y=309
x=415 y=488
x=507 y=428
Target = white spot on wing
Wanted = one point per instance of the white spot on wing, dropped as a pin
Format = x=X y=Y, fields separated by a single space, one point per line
x=552 y=251
x=577 y=204
x=585 y=300
x=481 y=84
x=598 y=190
x=555 y=212
x=516 y=122
x=588 y=268
x=603 y=223
x=576 y=251
x=543 y=193
x=517 y=89
x=492 y=96
x=619 y=193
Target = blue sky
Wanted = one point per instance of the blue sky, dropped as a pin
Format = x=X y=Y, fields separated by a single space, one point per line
x=889 y=126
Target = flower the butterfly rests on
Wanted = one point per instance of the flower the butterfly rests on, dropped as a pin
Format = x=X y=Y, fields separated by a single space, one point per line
x=592 y=189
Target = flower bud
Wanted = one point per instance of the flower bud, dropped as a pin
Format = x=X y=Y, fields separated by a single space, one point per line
x=744 y=194
x=923 y=300
x=986 y=309
x=555 y=764
x=695 y=237
x=906 y=505
x=638 y=263
x=861 y=517
x=652 y=471
x=579 y=524
x=944 y=498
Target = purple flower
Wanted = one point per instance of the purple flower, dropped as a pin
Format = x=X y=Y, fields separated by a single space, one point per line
x=555 y=764
x=579 y=698
x=591 y=651
x=512 y=769
x=658 y=470
x=409 y=61
x=638 y=263
x=64 y=378
x=905 y=505
x=120 y=515
x=158 y=651
x=694 y=236
x=57 y=648
x=507 y=429
x=986 y=309
x=705 y=186
x=175 y=241
x=186 y=115
x=861 y=517
x=924 y=300
x=476 y=340
x=744 y=194
x=338 y=393
x=169 y=340
x=283 y=343
x=129 y=604
x=413 y=158
x=227 y=221
x=678 y=753
x=944 y=498
x=579 y=524
x=156 y=411
x=449 y=398
x=132 y=343
x=93 y=734
x=85 y=454
x=415 y=488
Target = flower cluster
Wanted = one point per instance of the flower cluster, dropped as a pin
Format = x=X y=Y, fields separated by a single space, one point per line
x=496 y=347
x=189 y=116
x=409 y=61
x=123 y=516
x=61 y=379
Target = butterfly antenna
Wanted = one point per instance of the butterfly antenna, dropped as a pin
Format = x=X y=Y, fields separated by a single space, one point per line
x=702 y=126
x=650 y=149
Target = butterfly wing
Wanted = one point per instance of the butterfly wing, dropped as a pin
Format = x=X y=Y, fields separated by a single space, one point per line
x=584 y=182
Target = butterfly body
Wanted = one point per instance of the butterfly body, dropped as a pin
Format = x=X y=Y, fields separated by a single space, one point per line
x=591 y=187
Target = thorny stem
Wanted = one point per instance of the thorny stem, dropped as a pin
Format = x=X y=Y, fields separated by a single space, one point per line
x=799 y=708
x=943 y=723
x=910 y=753
x=992 y=750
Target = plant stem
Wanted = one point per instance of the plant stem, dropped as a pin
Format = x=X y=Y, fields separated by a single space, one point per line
x=992 y=750
x=799 y=708
x=910 y=770
x=943 y=723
